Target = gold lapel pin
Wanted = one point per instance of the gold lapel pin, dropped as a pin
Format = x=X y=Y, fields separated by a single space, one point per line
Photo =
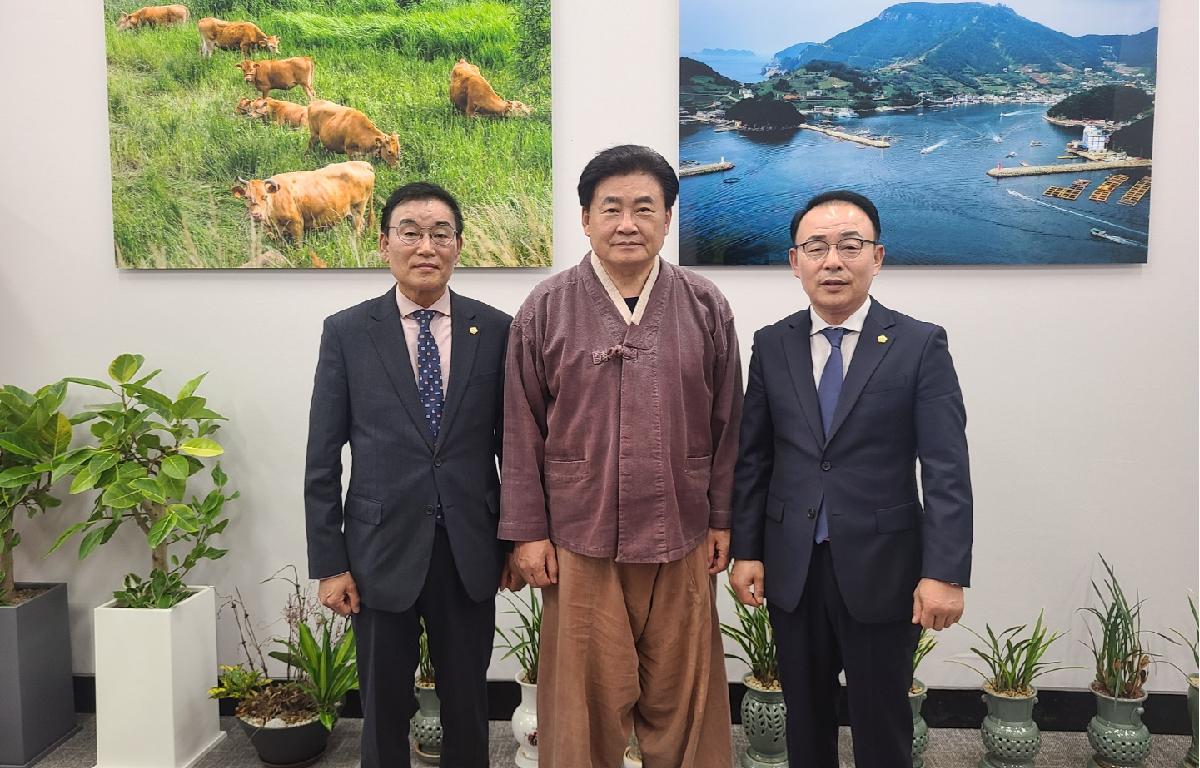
x=881 y=339
x=473 y=330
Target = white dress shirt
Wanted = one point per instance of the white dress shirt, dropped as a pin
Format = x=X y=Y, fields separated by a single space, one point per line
x=439 y=327
x=820 y=345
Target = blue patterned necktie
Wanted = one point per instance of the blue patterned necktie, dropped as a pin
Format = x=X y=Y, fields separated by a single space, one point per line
x=429 y=372
x=827 y=394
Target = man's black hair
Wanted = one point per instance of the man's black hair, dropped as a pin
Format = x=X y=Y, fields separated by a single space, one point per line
x=623 y=160
x=420 y=190
x=839 y=196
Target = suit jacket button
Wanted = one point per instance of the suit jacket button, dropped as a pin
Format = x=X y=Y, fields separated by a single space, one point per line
x=429 y=509
x=437 y=462
x=811 y=513
x=825 y=465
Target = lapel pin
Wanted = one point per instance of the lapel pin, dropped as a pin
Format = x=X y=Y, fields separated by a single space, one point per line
x=881 y=339
x=473 y=330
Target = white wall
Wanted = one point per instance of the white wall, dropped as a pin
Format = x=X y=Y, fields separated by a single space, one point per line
x=1081 y=383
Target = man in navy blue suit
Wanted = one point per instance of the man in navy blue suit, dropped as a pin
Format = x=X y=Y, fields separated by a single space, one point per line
x=844 y=401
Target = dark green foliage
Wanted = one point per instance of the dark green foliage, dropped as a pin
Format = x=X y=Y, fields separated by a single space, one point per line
x=1136 y=139
x=1106 y=102
x=1122 y=662
x=533 y=33
x=1013 y=664
x=760 y=112
x=690 y=68
x=754 y=635
x=783 y=84
x=524 y=641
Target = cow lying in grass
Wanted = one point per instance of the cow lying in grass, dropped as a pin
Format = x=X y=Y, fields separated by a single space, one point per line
x=279 y=112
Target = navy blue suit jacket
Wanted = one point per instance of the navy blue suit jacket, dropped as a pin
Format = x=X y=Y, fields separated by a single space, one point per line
x=365 y=394
x=900 y=403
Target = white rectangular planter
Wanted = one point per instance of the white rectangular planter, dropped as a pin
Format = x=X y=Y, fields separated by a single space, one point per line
x=153 y=671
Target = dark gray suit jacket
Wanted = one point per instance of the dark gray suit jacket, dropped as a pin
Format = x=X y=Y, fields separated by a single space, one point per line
x=365 y=394
x=900 y=402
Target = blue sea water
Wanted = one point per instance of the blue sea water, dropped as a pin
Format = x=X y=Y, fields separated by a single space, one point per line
x=744 y=69
x=937 y=208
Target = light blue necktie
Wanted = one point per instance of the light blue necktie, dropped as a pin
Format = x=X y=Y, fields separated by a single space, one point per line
x=429 y=372
x=828 y=391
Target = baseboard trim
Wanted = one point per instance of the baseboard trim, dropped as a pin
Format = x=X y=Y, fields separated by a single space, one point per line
x=1056 y=710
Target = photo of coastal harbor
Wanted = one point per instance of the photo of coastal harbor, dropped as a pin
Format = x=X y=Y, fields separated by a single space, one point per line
x=986 y=134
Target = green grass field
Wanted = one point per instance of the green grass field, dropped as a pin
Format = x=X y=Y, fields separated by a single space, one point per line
x=178 y=148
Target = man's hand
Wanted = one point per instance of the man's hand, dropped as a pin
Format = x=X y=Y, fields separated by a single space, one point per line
x=339 y=594
x=510 y=577
x=746 y=578
x=718 y=550
x=937 y=604
x=537 y=562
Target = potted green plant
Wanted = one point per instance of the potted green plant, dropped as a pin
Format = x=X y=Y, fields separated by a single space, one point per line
x=1117 y=734
x=154 y=662
x=1010 y=736
x=288 y=721
x=917 y=692
x=426 y=725
x=1192 y=643
x=37 y=700
x=764 y=715
x=523 y=643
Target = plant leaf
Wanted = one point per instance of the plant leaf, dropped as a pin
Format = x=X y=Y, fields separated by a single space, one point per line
x=201 y=447
x=123 y=368
x=176 y=467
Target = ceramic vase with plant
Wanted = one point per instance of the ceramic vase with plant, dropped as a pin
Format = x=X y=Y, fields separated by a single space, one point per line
x=288 y=720
x=1117 y=734
x=764 y=715
x=917 y=692
x=1011 y=738
x=1192 y=643
x=523 y=642
x=149 y=452
x=37 y=699
x=426 y=725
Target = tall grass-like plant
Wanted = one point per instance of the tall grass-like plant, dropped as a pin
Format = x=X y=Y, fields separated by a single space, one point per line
x=524 y=641
x=926 y=642
x=35 y=439
x=1192 y=643
x=756 y=639
x=328 y=668
x=1013 y=663
x=149 y=445
x=1122 y=663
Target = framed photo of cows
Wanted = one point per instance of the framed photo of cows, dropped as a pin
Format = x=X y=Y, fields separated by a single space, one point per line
x=268 y=133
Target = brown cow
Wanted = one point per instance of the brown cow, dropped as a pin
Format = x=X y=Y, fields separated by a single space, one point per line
x=154 y=16
x=276 y=111
x=472 y=94
x=346 y=130
x=302 y=200
x=266 y=74
x=241 y=36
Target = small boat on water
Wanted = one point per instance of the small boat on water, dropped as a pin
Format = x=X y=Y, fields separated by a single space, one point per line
x=1101 y=234
x=1011 y=154
x=1024 y=164
x=735 y=180
x=1035 y=143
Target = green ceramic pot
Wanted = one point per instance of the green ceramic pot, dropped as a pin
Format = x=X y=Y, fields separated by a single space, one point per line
x=764 y=721
x=426 y=726
x=1010 y=737
x=1117 y=734
x=916 y=697
x=1190 y=760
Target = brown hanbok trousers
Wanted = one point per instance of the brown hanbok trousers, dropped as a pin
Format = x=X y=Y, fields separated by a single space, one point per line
x=632 y=645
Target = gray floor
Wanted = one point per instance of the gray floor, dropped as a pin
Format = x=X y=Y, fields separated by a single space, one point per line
x=947 y=748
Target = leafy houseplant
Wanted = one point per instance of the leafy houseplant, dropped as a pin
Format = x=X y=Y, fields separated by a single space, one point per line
x=34 y=439
x=288 y=721
x=1013 y=666
x=917 y=693
x=149 y=446
x=1010 y=736
x=523 y=642
x=1117 y=733
x=764 y=715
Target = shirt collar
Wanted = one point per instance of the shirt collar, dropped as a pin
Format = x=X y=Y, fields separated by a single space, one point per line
x=853 y=324
x=633 y=317
x=408 y=306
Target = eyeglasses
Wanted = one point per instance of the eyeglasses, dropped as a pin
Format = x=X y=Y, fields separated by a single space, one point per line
x=848 y=248
x=441 y=235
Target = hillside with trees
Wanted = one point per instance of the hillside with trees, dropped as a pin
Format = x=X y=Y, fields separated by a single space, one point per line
x=765 y=113
x=1107 y=102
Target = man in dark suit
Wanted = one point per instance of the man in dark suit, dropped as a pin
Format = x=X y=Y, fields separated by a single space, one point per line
x=413 y=380
x=843 y=400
